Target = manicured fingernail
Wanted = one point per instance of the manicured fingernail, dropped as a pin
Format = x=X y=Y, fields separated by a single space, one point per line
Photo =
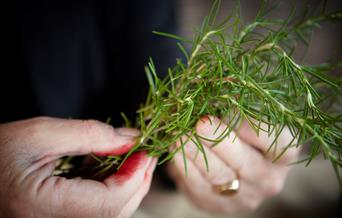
x=204 y=118
x=127 y=132
x=129 y=167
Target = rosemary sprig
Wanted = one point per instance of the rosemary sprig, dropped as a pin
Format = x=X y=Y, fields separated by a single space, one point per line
x=245 y=72
x=248 y=75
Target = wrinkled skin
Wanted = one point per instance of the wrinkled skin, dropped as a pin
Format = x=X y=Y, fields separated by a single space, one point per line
x=241 y=155
x=28 y=152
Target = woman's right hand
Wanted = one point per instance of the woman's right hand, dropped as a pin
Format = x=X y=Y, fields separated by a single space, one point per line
x=28 y=153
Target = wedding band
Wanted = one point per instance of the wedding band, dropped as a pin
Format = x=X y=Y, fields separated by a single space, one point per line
x=228 y=189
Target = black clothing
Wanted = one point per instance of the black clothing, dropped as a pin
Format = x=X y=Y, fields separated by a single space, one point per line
x=85 y=58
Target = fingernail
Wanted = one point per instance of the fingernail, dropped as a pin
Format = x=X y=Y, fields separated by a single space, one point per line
x=204 y=118
x=130 y=166
x=123 y=131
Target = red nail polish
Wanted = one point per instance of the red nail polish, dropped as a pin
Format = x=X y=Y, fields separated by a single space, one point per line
x=204 y=118
x=131 y=165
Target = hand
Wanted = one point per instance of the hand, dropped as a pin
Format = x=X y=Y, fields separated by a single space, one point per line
x=243 y=157
x=28 y=153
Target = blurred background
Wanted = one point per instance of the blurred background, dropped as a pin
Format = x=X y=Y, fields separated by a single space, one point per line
x=311 y=191
x=85 y=58
x=325 y=45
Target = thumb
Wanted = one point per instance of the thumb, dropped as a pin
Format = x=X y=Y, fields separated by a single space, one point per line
x=59 y=137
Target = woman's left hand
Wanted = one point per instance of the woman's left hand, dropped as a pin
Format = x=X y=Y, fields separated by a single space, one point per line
x=243 y=156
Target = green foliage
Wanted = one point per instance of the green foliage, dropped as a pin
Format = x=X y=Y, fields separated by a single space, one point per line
x=245 y=72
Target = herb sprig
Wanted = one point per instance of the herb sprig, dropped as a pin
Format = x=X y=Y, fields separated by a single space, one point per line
x=249 y=74
x=245 y=72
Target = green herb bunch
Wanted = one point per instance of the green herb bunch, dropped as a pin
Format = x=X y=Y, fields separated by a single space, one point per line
x=244 y=72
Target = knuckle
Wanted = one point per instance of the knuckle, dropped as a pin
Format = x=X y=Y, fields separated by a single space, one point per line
x=97 y=128
x=246 y=162
x=274 y=188
x=219 y=176
x=91 y=125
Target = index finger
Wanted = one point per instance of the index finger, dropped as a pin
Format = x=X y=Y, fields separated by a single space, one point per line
x=263 y=140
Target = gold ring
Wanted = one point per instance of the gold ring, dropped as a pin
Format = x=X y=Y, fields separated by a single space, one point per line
x=228 y=189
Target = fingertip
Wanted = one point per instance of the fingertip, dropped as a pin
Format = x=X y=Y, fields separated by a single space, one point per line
x=124 y=131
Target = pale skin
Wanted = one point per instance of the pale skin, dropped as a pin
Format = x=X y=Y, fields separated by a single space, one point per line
x=242 y=155
x=29 y=150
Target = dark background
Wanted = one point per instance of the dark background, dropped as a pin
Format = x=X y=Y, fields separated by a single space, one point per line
x=85 y=58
